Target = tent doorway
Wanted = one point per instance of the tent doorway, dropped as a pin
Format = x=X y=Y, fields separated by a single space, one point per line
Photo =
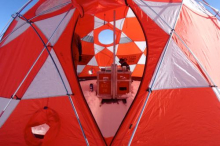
x=94 y=68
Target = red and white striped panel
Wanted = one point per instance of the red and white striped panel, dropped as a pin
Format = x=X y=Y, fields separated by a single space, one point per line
x=47 y=83
x=48 y=26
x=9 y=109
x=177 y=71
x=201 y=34
x=21 y=26
x=130 y=42
x=157 y=10
x=50 y=6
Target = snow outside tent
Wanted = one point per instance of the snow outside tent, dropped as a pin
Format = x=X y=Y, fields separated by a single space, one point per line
x=172 y=47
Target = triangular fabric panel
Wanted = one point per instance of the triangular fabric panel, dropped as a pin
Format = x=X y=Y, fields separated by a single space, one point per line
x=117 y=60
x=142 y=59
x=167 y=11
x=47 y=82
x=124 y=39
x=48 y=26
x=119 y=23
x=111 y=49
x=20 y=27
x=98 y=48
x=217 y=92
x=132 y=67
x=195 y=6
x=80 y=68
x=130 y=13
x=93 y=62
x=9 y=109
x=98 y=22
x=89 y=38
x=141 y=45
x=50 y=6
x=177 y=71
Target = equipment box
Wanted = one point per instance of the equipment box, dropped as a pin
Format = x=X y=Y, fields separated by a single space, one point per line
x=104 y=84
x=123 y=84
x=108 y=88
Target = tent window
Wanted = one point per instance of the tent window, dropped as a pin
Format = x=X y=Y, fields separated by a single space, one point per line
x=40 y=130
x=106 y=37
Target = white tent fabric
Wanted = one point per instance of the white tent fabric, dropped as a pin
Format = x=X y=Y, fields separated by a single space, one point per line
x=9 y=109
x=48 y=26
x=177 y=71
x=20 y=27
x=167 y=11
x=47 y=82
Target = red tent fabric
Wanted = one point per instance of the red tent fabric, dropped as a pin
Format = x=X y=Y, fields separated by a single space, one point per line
x=172 y=45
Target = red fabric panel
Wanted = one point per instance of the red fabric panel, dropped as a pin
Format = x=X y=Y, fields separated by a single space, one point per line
x=16 y=58
x=178 y=117
x=8 y=31
x=42 y=116
x=108 y=140
x=130 y=52
x=87 y=48
x=87 y=52
x=108 y=16
x=133 y=29
x=84 y=25
x=32 y=12
x=132 y=47
x=156 y=40
x=201 y=34
x=63 y=52
x=138 y=71
x=97 y=6
x=104 y=57
x=145 y=52
x=61 y=119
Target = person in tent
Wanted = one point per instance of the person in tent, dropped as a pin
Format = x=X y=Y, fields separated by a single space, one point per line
x=123 y=62
x=76 y=49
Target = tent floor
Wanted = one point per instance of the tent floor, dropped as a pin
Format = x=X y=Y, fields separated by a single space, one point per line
x=110 y=113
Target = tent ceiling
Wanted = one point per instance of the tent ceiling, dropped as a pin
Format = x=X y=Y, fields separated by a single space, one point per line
x=130 y=40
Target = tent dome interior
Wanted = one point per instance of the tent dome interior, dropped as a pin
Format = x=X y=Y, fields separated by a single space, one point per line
x=130 y=41
x=130 y=44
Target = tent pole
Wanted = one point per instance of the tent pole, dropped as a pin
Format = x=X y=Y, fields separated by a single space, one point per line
x=197 y=60
x=77 y=117
x=203 y=69
x=217 y=13
x=59 y=75
x=114 y=68
x=150 y=88
x=32 y=66
x=45 y=47
x=200 y=65
x=154 y=77
x=47 y=51
x=29 y=20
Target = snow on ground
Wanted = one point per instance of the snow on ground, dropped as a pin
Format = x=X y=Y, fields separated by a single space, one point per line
x=109 y=115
